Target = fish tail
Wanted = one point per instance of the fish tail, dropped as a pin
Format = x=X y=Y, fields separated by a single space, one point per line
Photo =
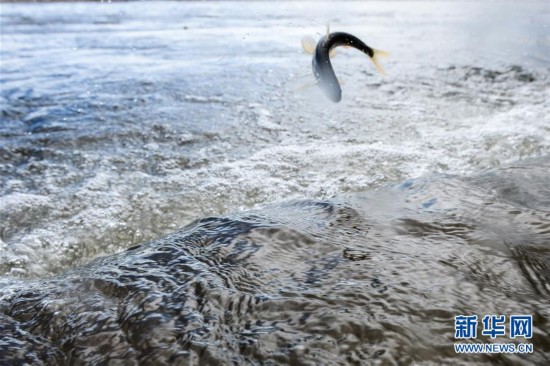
x=376 y=59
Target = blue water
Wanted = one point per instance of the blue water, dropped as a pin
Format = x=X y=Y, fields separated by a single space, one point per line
x=420 y=196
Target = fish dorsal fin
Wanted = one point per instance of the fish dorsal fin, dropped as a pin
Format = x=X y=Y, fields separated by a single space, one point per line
x=308 y=44
x=332 y=52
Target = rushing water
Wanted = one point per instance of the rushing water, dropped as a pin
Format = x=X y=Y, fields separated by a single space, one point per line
x=321 y=233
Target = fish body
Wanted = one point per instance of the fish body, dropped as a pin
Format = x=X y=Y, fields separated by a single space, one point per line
x=322 y=67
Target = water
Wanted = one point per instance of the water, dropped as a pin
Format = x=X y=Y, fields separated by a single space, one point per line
x=326 y=233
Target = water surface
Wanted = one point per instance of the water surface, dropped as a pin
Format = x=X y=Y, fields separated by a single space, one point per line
x=421 y=196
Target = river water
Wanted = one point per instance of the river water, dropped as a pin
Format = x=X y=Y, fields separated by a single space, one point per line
x=173 y=190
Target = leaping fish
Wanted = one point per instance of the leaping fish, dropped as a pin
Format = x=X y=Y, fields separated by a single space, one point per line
x=321 y=65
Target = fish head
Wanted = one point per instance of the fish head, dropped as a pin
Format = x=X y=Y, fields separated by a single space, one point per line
x=327 y=81
x=332 y=91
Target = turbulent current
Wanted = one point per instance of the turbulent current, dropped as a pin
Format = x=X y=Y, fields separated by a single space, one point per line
x=172 y=194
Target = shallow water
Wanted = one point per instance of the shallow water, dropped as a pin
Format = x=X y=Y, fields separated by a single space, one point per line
x=123 y=122
x=370 y=277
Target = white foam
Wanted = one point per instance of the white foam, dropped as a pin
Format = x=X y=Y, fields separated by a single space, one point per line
x=177 y=124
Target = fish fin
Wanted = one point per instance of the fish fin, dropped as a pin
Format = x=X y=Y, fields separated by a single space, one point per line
x=375 y=59
x=301 y=76
x=332 y=52
x=306 y=86
x=308 y=44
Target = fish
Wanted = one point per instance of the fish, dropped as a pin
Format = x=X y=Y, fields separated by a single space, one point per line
x=324 y=50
